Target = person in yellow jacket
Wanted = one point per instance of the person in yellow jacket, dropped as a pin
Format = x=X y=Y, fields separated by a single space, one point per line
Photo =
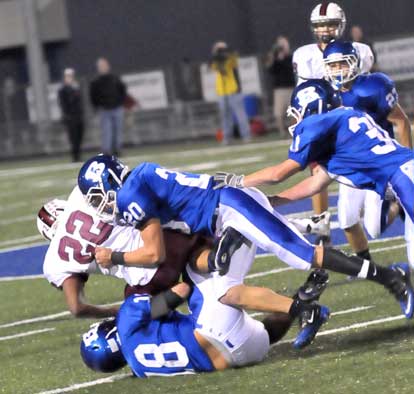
x=225 y=64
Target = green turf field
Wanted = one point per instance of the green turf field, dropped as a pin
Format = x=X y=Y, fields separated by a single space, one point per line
x=366 y=347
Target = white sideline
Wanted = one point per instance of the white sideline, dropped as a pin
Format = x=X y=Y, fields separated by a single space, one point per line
x=27 y=333
x=109 y=379
x=344 y=312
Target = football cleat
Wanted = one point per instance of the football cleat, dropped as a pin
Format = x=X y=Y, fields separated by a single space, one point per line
x=314 y=286
x=220 y=256
x=311 y=321
x=403 y=289
x=316 y=224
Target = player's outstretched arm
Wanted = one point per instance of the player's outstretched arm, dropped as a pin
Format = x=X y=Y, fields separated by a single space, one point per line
x=73 y=290
x=151 y=254
x=269 y=175
x=273 y=174
x=400 y=120
x=307 y=188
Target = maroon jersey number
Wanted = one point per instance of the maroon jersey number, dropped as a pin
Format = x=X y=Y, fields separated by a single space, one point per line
x=84 y=222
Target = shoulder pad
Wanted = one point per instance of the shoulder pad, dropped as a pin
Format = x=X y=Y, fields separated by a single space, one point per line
x=371 y=84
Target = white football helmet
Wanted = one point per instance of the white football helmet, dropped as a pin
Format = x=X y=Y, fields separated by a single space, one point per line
x=327 y=14
x=47 y=217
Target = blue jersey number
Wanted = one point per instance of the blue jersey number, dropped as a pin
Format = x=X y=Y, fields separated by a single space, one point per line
x=373 y=131
x=151 y=355
x=191 y=180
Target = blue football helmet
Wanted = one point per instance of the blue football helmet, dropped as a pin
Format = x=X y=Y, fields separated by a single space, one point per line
x=342 y=62
x=100 y=347
x=314 y=96
x=99 y=180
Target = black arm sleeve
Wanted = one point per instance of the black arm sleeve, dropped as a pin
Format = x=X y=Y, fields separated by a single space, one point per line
x=165 y=302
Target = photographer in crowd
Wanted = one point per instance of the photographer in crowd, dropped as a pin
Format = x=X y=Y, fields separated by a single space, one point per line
x=279 y=66
x=224 y=62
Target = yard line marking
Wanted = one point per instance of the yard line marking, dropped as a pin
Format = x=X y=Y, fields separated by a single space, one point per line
x=11 y=278
x=26 y=246
x=389 y=248
x=35 y=319
x=109 y=379
x=17 y=220
x=186 y=153
x=344 y=312
x=48 y=317
x=25 y=334
x=264 y=273
x=352 y=310
x=21 y=240
x=350 y=327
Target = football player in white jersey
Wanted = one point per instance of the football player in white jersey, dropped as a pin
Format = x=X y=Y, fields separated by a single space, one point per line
x=328 y=22
x=74 y=229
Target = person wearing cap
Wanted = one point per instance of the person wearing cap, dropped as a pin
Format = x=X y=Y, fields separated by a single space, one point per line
x=70 y=102
x=224 y=63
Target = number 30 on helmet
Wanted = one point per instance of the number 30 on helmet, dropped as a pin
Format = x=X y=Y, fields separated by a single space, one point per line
x=99 y=180
x=315 y=96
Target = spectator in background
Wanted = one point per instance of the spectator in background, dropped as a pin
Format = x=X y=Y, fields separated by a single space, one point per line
x=189 y=80
x=224 y=63
x=279 y=65
x=108 y=95
x=70 y=102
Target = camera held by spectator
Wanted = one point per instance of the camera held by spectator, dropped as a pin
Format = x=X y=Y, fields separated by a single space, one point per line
x=220 y=52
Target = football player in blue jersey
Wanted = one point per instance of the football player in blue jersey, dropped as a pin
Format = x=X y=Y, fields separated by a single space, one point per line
x=151 y=196
x=352 y=149
x=376 y=95
x=153 y=339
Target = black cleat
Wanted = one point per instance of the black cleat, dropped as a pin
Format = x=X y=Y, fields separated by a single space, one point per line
x=314 y=286
x=220 y=256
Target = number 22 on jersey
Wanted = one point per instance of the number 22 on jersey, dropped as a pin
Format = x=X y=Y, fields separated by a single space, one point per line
x=89 y=232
